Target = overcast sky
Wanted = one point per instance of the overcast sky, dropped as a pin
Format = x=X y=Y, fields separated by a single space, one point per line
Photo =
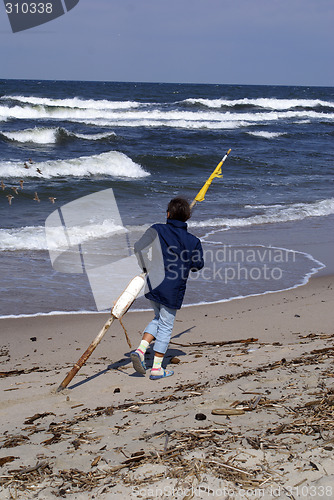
x=283 y=42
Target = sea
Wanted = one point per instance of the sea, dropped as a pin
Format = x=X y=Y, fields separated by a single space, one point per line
x=266 y=225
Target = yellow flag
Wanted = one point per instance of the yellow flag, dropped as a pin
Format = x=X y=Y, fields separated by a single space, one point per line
x=216 y=173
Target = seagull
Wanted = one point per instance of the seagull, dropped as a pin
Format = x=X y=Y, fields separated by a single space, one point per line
x=36 y=197
x=21 y=183
x=52 y=199
x=10 y=197
x=15 y=189
x=2 y=186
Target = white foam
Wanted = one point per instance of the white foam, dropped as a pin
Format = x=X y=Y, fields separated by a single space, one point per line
x=273 y=214
x=278 y=205
x=302 y=122
x=34 y=238
x=268 y=103
x=186 y=124
x=157 y=118
x=24 y=238
x=75 y=102
x=35 y=135
x=51 y=313
x=266 y=135
x=43 y=112
x=200 y=120
x=50 y=135
x=112 y=163
x=91 y=137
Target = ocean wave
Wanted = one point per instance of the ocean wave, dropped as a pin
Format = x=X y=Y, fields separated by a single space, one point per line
x=90 y=137
x=29 y=112
x=34 y=237
x=154 y=123
x=50 y=135
x=112 y=163
x=273 y=214
x=35 y=135
x=198 y=120
x=267 y=135
x=75 y=102
x=268 y=103
x=210 y=119
x=24 y=238
x=195 y=121
x=104 y=104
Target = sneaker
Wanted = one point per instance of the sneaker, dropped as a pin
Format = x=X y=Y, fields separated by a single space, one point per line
x=138 y=363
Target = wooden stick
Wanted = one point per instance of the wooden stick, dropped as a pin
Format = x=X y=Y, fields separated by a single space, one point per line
x=86 y=354
x=126 y=333
x=229 y=467
x=226 y=342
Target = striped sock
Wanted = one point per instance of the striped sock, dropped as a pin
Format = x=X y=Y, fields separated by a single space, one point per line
x=142 y=349
x=157 y=368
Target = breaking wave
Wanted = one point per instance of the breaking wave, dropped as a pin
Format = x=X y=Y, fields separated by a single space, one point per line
x=34 y=237
x=267 y=103
x=203 y=120
x=130 y=114
x=75 y=102
x=51 y=135
x=267 y=135
x=112 y=163
x=273 y=214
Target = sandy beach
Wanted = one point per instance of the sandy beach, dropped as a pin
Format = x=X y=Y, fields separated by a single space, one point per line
x=247 y=414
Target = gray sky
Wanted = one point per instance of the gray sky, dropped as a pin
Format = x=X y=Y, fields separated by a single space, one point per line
x=283 y=42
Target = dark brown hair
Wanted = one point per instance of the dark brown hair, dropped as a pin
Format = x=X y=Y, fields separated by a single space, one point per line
x=179 y=209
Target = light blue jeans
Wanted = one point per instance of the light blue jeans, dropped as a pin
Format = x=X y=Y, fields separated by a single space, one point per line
x=161 y=326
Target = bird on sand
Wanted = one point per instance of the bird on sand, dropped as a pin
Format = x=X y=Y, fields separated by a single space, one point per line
x=52 y=199
x=10 y=197
x=36 y=197
x=15 y=189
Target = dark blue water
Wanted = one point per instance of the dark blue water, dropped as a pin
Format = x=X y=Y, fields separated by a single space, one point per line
x=151 y=142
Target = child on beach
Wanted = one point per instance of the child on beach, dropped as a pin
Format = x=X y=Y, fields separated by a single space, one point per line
x=182 y=252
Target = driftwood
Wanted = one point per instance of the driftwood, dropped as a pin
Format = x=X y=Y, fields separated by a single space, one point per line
x=10 y=373
x=37 y=416
x=227 y=411
x=5 y=460
x=226 y=342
